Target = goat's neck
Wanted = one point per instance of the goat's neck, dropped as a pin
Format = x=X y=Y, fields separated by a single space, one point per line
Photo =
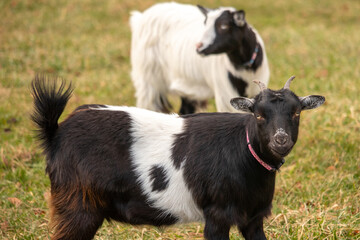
x=244 y=52
x=262 y=151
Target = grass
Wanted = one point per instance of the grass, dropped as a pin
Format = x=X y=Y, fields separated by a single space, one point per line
x=318 y=189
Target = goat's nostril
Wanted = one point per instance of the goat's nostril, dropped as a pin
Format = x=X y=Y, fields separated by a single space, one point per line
x=199 y=45
x=281 y=139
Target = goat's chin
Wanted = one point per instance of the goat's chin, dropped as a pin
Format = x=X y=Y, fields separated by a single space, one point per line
x=203 y=53
x=206 y=52
x=279 y=154
x=209 y=50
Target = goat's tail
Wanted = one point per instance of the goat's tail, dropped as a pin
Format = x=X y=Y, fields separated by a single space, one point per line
x=49 y=103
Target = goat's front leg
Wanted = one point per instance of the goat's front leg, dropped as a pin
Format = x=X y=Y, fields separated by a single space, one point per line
x=216 y=227
x=254 y=230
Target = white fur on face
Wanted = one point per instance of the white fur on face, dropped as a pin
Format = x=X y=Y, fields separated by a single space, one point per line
x=280 y=131
x=153 y=135
x=209 y=35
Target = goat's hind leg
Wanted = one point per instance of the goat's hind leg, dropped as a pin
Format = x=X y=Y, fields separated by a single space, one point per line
x=72 y=221
x=191 y=106
x=147 y=77
x=187 y=106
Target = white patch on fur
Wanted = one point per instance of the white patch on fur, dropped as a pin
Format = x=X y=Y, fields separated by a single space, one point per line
x=280 y=131
x=153 y=136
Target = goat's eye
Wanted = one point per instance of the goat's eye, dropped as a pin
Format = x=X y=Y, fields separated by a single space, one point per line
x=259 y=117
x=297 y=114
x=224 y=26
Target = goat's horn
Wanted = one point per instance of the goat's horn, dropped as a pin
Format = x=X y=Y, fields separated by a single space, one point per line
x=287 y=84
x=261 y=85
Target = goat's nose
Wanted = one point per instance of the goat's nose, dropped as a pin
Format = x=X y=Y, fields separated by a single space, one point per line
x=199 y=45
x=281 y=138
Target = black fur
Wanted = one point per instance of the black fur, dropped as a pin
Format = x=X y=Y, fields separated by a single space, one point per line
x=190 y=106
x=91 y=183
x=159 y=178
x=238 y=59
x=50 y=101
x=239 y=84
x=92 y=176
x=187 y=106
x=226 y=181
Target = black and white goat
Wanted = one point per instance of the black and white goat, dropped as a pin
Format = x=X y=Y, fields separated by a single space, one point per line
x=141 y=167
x=168 y=40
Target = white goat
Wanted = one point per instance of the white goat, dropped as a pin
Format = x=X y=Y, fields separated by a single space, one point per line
x=169 y=41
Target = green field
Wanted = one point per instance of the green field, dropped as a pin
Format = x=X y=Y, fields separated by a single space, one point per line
x=88 y=42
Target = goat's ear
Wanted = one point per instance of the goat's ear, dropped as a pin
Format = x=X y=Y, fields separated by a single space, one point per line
x=203 y=10
x=311 y=102
x=242 y=103
x=239 y=18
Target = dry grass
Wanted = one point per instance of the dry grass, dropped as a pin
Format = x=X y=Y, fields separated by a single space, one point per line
x=317 y=194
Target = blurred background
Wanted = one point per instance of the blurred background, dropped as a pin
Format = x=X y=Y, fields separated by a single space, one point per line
x=88 y=42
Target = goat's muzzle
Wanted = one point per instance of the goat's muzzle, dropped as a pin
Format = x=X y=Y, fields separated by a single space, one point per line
x=281 y=144
x=198 y=46
x=200 y=49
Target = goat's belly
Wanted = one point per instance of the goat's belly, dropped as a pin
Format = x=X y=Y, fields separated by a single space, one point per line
x=172 y=198
x=179 y=204
x=140 y=213
x=192 y=91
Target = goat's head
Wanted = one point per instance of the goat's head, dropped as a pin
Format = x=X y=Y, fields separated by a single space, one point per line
x=277 y=116
x=224 y=30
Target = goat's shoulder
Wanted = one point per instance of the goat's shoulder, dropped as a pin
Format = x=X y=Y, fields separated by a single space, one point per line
x=217 y=119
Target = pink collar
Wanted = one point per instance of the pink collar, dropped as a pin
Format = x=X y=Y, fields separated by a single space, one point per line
x=264 y=164
x=253 y=57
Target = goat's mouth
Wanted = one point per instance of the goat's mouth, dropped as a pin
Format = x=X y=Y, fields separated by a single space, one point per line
x=205 y=50
x=280 y=152
x=200 y=48
x=202 y=52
